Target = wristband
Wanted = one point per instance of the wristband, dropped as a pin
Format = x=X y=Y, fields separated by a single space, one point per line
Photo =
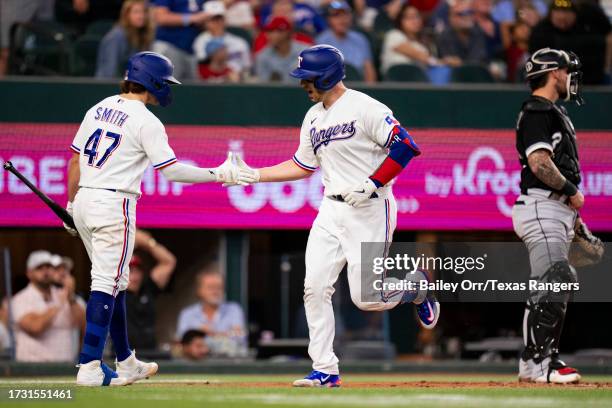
x=186 y=18
x=569 y=188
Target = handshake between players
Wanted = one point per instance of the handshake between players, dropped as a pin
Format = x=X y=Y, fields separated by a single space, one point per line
x=234 y=171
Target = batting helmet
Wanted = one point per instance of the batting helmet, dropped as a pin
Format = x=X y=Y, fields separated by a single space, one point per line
x=322 y=64
x=548 y=59
x=154 y=72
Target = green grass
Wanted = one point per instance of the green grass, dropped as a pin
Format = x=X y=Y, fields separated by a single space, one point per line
x=229 y=391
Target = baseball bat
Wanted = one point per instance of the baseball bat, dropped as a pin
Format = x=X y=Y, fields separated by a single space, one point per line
x=55 y=207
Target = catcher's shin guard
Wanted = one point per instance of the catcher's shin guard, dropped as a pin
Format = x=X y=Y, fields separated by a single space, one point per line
x=546 y=314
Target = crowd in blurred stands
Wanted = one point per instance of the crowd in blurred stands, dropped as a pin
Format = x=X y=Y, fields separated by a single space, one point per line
x=47 y=317
x=437 y=41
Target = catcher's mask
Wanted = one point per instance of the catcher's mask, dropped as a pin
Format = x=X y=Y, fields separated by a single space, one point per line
x=548 y=59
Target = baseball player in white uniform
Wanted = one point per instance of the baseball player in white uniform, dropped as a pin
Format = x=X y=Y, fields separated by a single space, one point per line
x=360 y=147
x=117 y=140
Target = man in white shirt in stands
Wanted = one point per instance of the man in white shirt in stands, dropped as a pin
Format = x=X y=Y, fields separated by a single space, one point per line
x=44 y=316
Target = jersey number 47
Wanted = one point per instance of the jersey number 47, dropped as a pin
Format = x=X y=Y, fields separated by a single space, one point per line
x=93 y=144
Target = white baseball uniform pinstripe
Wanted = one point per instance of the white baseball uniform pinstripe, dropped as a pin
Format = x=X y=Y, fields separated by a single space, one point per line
x=116 y=142
x=348 y=141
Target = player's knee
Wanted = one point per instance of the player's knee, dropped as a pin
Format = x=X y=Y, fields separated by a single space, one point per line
x=317 y=291
x=558 y=283
x=102 y=284
x=560 y=272
x=365 y=305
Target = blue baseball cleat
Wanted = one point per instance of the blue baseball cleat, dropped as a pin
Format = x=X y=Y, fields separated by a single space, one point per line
x=319 y=379
x=429 y=310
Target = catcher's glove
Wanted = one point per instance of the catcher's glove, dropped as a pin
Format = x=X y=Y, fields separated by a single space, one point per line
x=586 y=249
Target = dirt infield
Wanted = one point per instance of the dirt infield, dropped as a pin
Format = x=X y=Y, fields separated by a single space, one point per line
x=398 y=385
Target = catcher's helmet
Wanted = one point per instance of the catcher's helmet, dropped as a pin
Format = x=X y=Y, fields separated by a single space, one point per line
x=322 y=64
x=154 y=72
x=548 y=59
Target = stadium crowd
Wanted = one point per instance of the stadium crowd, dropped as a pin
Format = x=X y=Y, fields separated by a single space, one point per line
x=258 y=40
x=47 y=317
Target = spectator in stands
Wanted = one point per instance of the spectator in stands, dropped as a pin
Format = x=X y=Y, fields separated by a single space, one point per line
x=61 y=276
x=489 y=27
x=178 y=23
x=518 y=52
x=193 y=345
x=462 y=42
x=303 y=16
x=585 y=31
x=133 y=33
x=276 y=60
x=215 y=67
x=379 y=15
x=239 y=13
x=404 y=44
x=528 y=14
x=13 y=11
x=299 y=35
x=238 y=50
x=45 y=315
x=223 y=322
x=506 y=13
x=143 y=288
x=353 y=45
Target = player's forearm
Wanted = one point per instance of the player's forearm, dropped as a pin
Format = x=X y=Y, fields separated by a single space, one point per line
x=74 y=174
x=544 y=169
x=185 y=173
x=285 y=171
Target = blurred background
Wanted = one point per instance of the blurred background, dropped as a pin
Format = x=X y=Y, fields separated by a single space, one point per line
x=217 y=273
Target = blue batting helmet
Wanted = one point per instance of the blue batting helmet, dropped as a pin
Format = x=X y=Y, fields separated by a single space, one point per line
x=154 y=72
x=322 y=64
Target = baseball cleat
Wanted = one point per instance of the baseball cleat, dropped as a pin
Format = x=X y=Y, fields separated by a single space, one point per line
x=428 y=310
x=96 y=374
x=565 y=375
x=319 y=379
x=134 y=369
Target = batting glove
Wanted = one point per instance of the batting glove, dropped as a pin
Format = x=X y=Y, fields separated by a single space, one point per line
x=227 y=172
x=247 y=174
x=360 y=194
x=70 y=230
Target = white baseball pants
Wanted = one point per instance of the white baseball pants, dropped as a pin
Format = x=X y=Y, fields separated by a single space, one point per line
x=106 y=221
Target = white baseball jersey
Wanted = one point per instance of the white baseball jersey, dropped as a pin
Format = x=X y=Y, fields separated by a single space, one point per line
x=348 y=141
x=116 y=141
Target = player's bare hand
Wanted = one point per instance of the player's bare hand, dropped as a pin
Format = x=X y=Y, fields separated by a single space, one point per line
x=577 y=200
x=70 y=230
x=360 y=194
